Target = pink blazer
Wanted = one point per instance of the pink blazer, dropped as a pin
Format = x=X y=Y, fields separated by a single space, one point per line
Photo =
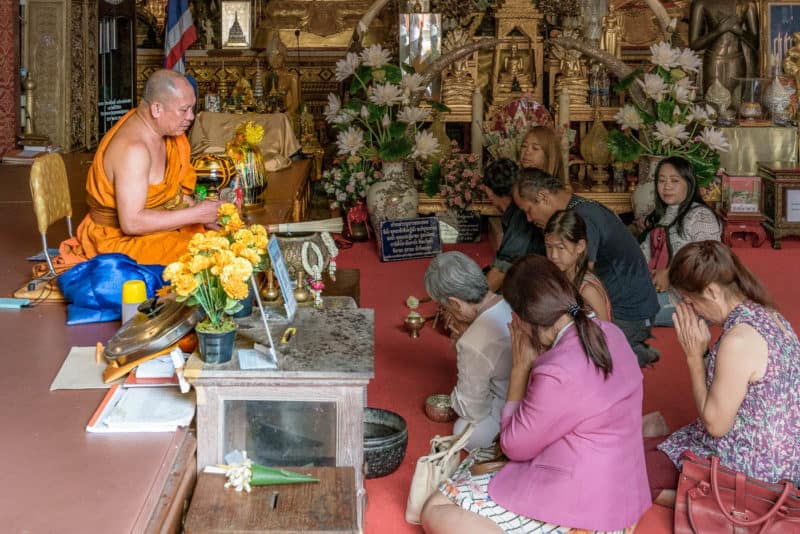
x=575 y=440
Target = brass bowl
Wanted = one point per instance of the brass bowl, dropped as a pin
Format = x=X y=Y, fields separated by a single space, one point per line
x=439 y=409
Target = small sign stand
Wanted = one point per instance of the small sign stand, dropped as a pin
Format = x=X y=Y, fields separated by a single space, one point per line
x=406 y=239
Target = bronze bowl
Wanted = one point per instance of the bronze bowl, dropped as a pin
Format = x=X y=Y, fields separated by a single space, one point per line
x=439 y=408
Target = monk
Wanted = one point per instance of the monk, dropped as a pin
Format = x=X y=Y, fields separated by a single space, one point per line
x=140 y=185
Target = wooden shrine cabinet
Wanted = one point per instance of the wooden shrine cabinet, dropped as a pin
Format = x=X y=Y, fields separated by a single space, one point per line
x=780 y=199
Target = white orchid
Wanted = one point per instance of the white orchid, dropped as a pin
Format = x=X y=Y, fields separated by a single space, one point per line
x=412 y=83
x=350 y=141
x=698 y=114
x=715 y=139
x=664 y=55
x=364 y=112
x=670 y=134
x=682 y=95
x=425 y=145
x=386 y=94
x=413 y=115
x=688 y=60
x=345 y=116
x=333 y=107
x=346 y=67
x=628 y=117
x=375 y=56
x=653 y=86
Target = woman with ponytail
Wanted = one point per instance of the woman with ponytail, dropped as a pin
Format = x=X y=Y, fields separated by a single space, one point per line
x=747 y=387
x=571 y=426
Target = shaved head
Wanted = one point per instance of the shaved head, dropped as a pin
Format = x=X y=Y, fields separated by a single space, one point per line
x=164 y=85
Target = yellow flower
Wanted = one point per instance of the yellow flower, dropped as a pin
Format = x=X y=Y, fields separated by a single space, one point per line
x=185 y=285
x=244 y=236
x=221 y=259
x=250 y=255
x=200 y=262
x=253 y=133
x=226 y=210
x=234 y=277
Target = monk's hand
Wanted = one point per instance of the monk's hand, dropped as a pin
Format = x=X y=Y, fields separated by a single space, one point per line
x=693 y=333
x=206 y=211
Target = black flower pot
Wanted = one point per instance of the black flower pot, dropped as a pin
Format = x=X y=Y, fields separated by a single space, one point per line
x=216 y=347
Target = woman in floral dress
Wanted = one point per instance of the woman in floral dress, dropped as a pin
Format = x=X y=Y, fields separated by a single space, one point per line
x=747 y=387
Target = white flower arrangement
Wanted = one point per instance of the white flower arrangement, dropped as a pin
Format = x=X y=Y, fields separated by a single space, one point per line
x=669 y=123
x=379 y=122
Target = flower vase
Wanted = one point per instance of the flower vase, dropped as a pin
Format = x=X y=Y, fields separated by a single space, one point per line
x=216 y=347
x=393 y=196
x=252 y=175
x=644 y=196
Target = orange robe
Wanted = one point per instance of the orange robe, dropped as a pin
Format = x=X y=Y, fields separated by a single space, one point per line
x=97 y=235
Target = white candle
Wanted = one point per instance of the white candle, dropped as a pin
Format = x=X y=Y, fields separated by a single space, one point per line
x=563 y=109
x=476 y=130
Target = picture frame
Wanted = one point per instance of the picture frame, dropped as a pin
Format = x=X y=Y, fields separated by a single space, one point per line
x=779 y=20
x=236 y=21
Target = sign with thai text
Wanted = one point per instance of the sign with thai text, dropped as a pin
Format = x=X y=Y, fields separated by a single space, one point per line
x=406 y=239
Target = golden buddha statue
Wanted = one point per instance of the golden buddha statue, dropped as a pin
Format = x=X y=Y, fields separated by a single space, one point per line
x=791 y=63
x=310 y=143
x=284 y=81
x=514 y=78
x=611 y=40
x=457 y=81
x=243 y=94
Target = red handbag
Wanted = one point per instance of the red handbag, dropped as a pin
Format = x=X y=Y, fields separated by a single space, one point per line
x=712 y=499
x=659 y=251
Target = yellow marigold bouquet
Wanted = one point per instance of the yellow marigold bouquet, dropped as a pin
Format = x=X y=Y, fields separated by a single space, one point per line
x=217 y=267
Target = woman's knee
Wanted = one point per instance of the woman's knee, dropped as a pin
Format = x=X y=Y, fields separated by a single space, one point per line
x=431 y=515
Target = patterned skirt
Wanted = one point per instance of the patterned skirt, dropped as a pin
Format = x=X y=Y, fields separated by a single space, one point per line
x=471 y=492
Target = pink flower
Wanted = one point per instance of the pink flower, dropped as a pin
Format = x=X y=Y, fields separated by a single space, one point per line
x=467 y=195
x=350 y=187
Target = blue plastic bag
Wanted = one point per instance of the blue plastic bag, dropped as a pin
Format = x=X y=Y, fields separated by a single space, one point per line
x=93 y=289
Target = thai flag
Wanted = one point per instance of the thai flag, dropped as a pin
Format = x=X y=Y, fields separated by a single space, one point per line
x=180 y=34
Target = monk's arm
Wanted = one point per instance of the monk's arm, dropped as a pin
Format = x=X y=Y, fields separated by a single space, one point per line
x=130 y=173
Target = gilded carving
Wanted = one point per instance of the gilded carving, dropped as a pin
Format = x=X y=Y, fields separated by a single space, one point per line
x=9 y=77
x=517 y=22
x=46 y=60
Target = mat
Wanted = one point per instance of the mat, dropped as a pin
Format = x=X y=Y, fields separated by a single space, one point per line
x=43 y=291
x=80 y=371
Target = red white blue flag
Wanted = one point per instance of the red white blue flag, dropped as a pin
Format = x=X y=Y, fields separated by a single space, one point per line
x=180 y=34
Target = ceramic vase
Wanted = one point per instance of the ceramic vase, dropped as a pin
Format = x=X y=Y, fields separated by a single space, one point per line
x=394 y=196
x=644 y=196
x=216 y=347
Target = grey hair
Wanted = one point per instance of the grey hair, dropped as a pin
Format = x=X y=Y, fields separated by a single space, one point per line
x=530 y=181
x=453 y=274
x=162 y=85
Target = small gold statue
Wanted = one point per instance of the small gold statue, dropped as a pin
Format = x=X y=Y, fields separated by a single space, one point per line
x=611 y=41
x=243 y=94
x=573 y=78
x=457 y=82
x=514 y=77
x=285 y=81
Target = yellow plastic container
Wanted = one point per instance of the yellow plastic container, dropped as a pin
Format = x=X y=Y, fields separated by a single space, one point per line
x=134 y=292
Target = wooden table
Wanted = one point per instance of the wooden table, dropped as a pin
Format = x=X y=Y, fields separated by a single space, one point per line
x=308 y=411
x=325 y=506
x=288 y=196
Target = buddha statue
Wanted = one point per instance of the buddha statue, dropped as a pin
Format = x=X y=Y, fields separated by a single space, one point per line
x=727 y=30
x=573 y=78
x=283 y=81
x=243 y=94
x=457 y=82
x=611 y=40
x=514 y=78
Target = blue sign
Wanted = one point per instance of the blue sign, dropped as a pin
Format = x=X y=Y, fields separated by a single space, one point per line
x=406 y=239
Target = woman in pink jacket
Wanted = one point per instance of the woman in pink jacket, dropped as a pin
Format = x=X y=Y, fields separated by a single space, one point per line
x=571 y=427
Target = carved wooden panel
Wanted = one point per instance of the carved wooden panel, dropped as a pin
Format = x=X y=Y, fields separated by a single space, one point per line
x=47 y=54
x=9 y=77
x=82 y=125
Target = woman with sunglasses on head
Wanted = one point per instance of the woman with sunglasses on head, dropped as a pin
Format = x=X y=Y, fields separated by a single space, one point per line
x=747 y=387
x=571 y=426
x=680 y=217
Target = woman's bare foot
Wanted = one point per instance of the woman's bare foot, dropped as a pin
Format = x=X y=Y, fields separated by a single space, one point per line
x=654 y=425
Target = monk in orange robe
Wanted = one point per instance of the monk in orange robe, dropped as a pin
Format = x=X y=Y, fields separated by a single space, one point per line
x=140 y=183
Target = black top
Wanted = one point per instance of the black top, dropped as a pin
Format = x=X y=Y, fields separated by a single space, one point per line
x=520 y=238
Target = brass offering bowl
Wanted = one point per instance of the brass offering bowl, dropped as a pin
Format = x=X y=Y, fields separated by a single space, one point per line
x=438 y=408
x=414 y=323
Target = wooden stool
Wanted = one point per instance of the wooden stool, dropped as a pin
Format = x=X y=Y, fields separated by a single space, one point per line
x=325 y=506
x=742 y=224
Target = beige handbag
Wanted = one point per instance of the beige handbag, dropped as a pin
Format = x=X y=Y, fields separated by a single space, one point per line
x=433 y=469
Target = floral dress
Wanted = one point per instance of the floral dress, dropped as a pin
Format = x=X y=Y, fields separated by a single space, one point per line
x=764 y=442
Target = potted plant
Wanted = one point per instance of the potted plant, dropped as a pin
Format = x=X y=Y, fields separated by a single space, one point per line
x=666 y=123
x=457 y=178
x=380 y=122
x=215 y=273
x=346 y=184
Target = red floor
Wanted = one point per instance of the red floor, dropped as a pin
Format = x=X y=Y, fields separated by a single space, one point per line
x=56 y=478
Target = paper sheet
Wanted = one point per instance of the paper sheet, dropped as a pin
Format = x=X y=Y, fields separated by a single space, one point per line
x=253 y=359
x=79 y=371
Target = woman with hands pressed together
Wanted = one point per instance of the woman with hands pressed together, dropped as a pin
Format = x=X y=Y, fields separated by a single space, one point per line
x=571 y=425
x=747 y=387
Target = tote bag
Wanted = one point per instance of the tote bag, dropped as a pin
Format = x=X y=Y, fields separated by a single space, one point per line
x=433 y=468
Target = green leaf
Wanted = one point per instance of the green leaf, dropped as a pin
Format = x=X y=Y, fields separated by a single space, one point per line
x=266 y=476
x=393 y=73
x=705 y=169
x=408 y=68
x=395 y=149
x=232 y=306
x=437 y=106
x=664 y=110
x=625 y=83
x=623 y=147
x=432 y=180
x=376 y=112
x=398 y=129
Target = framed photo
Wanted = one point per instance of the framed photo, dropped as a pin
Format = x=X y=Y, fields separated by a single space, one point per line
x=779 y=20
x=236 y=24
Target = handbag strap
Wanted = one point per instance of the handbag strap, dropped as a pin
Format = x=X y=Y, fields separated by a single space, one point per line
x=740 y=497
x=453 y=448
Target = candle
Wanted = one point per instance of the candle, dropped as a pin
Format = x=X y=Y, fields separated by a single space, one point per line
x=563 y=109
x=476 y=131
